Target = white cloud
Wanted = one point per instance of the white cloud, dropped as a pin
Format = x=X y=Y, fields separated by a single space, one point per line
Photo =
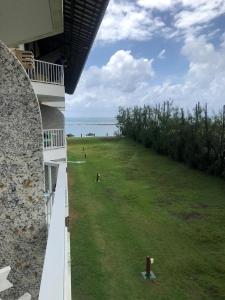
x=125 y=20
x=161 y=54
x=206 y=69
x=126 y=80
x=141 y=20
x=157 y=4
x=190 y=12
x=104 y=89
x=122 y=72
x=198 y=12
x=204 y=80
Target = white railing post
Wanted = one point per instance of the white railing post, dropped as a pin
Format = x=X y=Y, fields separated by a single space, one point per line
x=51 y=138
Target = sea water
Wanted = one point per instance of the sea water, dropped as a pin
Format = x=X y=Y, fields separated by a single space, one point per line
x=98 y=126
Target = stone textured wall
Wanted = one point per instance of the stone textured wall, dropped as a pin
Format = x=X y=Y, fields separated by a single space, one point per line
x=52 y=118
x=22 y=210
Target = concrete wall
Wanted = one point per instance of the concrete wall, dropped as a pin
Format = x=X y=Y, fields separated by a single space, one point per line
x=22 y=209
x=52 y=118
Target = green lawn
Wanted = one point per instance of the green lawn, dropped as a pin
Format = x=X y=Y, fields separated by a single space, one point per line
x=145 y=204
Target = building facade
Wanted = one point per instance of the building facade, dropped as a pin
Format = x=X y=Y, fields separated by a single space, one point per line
x=43 y=48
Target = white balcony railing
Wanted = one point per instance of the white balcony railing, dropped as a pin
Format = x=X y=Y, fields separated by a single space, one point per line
x=53 y=138
x=55 y=281
x=46 y=72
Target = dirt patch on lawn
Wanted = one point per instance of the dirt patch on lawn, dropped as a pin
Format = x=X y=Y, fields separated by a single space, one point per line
x=164 y=201
x=200 y=205
x=73 y=216
x=189 y=216
x=109 y=193
x=132 y=173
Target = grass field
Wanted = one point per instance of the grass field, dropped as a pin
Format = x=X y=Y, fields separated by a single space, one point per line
x=145 y=204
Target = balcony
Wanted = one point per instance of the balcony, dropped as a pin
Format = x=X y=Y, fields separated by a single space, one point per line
x=53 y=138
x=55 y=282
x=48 y=83
x=54 y=144
x=46 y=72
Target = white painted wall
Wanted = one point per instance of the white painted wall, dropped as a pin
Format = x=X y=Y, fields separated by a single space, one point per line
x=54 y=154
x=48 y=90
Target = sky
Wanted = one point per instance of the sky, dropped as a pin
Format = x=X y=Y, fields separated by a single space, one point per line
x=149 y=51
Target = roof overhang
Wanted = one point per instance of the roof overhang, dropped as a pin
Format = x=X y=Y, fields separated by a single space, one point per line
x=82 y=19
x=29 y=20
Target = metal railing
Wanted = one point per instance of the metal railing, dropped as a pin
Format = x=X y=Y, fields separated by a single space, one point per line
x=46 y=72
x=53 y=138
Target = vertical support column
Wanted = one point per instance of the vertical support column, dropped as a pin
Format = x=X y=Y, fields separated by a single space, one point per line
x=49 y=206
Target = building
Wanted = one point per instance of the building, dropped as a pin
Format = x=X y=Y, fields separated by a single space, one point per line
x=43 y=48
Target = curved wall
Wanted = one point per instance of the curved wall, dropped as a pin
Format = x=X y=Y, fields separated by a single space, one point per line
x=52 y=118
x=22 y=209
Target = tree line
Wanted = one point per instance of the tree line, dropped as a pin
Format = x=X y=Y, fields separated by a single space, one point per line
x=193 y=137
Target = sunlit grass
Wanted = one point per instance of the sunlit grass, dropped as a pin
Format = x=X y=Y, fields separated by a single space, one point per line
x=144 y=205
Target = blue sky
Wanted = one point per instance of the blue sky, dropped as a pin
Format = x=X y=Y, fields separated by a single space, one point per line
x=148 y=51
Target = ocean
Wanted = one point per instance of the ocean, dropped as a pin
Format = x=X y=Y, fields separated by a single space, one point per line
x=98 y=126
